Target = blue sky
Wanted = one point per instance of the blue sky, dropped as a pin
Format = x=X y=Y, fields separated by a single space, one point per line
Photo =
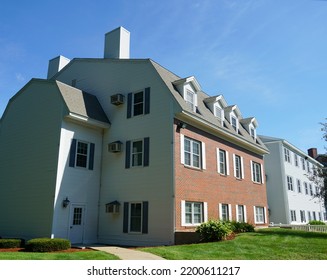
x=269 y=57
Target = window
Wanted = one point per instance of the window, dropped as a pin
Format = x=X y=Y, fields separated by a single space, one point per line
x=234 y=123
x=190 y=99
x=225 y=213
x=314 y=215
x=308 y=166
x=317 y=190
x=311 y=190
x=192 y=152
x=302 y=214
x=137 y=153
x=135 y=219
x=296 y=160
x=222 y=162
x=306 y=189
x=303 y=163
x=218 y=112
x=256 y=172
x=290 y=183
x=259 y=215
x=287 y=155
x=240 y=213
x=193 y=213
x=138 y=103
x=293 y=216
x=238 y=167
x=299 y=188
x=309 y=216
x=81 y=154
x=252 y=132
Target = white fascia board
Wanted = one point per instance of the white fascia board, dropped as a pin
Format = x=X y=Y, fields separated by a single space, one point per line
x=222 y=133
x=87 y=120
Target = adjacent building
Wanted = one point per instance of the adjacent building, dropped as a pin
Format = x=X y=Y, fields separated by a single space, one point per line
x=123 y=151
x=291 y=192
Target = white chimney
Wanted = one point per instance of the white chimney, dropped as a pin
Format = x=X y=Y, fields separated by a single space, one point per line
x=56 y=64
x=117 y=43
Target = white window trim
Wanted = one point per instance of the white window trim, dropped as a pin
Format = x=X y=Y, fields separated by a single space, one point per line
x=261 y=170
x=264 y=214
x=203 y=164
x=244 y=212
x=242 y=167
x=204 y=210
x=87 y=154
x=221 y=211
x=226 y=162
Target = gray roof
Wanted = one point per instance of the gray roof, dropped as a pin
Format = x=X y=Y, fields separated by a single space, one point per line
x=203 y=112
x=82 y=104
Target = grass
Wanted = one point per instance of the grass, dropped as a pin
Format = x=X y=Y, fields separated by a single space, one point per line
x=264 y=244
x=87 y=255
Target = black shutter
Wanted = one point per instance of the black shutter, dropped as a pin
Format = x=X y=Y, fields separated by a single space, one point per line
x=91 y=159
x=128 y=155
x=147 y=101
x=125 y=218
x=145 y=218
x=72 y=153
x=146 y=151
x=129 y=105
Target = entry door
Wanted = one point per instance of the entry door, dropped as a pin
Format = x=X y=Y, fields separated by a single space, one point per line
x=77 y=224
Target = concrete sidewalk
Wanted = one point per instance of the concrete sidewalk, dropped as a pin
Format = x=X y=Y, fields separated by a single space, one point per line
x=125 y=254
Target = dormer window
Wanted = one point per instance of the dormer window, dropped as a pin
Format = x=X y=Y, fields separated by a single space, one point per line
x=190 y=99
x=234 y=123
x=218 y=112
x=252 y=132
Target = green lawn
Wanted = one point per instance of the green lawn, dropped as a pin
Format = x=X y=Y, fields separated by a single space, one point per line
x=264 y=244
x=86 y=255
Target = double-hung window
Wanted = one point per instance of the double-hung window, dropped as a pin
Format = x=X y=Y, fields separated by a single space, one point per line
x=137 y=153
x=299 y=188
x=234 y=123
x=193 y=213
x=306 y=189
x=256 y=172
x=222 y=162
x=135 y=219
x=287 y=155
x=259 y=215
x=138 y=103
x=241 y=213
x=192 y=153
x=190 y=99
x=224 y=215
x=238 y=167
x=302 y=214
x=81 y=154
x=290 y=183
x=293 y=216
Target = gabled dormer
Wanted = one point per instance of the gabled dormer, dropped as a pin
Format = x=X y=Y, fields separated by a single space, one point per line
x=233 y=115
x=250 y=124
x=188 y=88
x=216 y=105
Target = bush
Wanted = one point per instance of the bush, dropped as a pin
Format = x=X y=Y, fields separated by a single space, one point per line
x=47 y=244
x=214 y=230
x=11 y=243
x=239 y=227
x=312 y=223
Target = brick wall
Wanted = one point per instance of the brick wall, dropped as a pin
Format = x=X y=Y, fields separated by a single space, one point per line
x=198 y=185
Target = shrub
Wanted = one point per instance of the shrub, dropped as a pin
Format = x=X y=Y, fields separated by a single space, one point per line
x=47 y=244
x=239 y=227
x=316 y=223
x=11 y=243
x=214 y=230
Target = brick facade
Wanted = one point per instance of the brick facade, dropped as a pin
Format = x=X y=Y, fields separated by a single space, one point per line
x=207 y=185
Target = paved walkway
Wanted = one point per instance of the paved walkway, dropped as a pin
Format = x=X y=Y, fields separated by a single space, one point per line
x=126 y=254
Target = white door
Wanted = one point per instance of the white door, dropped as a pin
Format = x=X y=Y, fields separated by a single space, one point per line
x=77 y=224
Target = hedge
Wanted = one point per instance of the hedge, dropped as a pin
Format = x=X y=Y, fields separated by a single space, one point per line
x=47 y=244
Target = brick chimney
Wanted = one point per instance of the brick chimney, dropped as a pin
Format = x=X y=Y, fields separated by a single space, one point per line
x=117 y=43
x=312 y=152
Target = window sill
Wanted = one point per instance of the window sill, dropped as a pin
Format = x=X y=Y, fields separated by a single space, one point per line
x=193 y=168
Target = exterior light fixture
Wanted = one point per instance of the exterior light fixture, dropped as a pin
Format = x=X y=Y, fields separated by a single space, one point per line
x=181 y=125
x=65 y=202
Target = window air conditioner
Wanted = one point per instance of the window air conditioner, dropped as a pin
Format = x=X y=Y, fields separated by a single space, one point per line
x=115 y=147
x=117 y=99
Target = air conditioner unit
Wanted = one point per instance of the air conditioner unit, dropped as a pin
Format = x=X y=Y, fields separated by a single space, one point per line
x=117 y=99
x=115 y=147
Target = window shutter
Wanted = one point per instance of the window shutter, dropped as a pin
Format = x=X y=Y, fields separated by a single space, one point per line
x=251 y=164
x=227 y=163
x=72 y=153
x=183 y=212
x=245 y=216
x=218 y=161
x=145 y=216
x=129 y=105
x=91 y=159
x=205 y=212
x=128 y=155
x=234 y=164
x=262 y=174
x=146 y=151
x=125 y=218
x=242 y=168
x=147 y=101
x=203 y=147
